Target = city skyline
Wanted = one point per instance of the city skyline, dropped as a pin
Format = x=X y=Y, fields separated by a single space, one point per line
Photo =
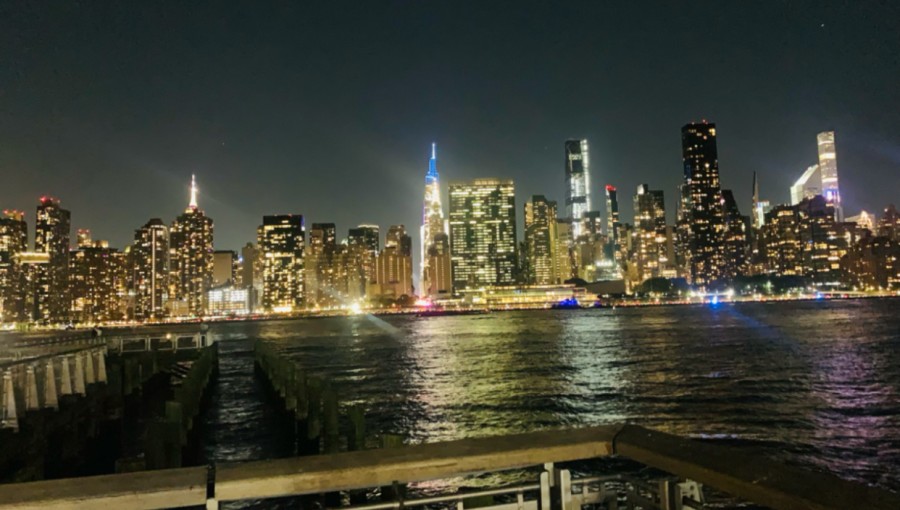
x=113 y=132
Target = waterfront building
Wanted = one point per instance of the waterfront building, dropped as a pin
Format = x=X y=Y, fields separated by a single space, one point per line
x=540 y=241
x=483 y=233
x=439 y=278
x=565 y=265
x=393 y=267
x=229 y=300
x=578 y=183
x=224 y=267
x=889 y=223
x=281 y=240
x=52 y=231
x=822 y=247
x=518 y=296
x=736 y=240
x=702 y=223
x=651 y=239
x=873 y=264
x=782 y=241
x=150 y=270
x=35 y=268
x=97 y=281
x=191 y=258
x=13 y=241
x=433 y=226
x=364 y=243
x=319 y=266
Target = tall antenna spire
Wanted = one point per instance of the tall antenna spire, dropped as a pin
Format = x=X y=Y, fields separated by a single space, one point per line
x=193 y=204
x=433 y=150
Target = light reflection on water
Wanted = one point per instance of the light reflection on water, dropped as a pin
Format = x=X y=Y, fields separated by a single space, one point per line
x=814 y=383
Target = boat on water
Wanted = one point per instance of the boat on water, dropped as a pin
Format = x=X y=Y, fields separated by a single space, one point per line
x=441 y=312
x=567 y=304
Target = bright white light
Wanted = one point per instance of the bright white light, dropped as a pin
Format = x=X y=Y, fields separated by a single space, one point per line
x=356 y=309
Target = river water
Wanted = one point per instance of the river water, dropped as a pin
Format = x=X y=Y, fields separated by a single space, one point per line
x=810 y=383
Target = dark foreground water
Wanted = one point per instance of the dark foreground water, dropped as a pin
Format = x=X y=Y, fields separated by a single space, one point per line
x=812 y=383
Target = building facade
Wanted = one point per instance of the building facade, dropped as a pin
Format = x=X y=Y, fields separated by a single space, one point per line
x=483 y=233
x=541 y=241
x=650 y=236
x=433 y=226
x=191 y=258
x=52 y=231
x=702 y=222
x=98 y=282
x=13 y=241
x=150 y=270
x=578 y=182
x=281 y=243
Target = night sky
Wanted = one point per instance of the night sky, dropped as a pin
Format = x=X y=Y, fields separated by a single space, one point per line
x=328 y=109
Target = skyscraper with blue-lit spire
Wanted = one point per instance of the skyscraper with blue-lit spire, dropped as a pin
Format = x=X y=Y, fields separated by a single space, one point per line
x=433 y=231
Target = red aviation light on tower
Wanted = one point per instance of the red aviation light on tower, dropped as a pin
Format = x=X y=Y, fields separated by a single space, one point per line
x=610 y=187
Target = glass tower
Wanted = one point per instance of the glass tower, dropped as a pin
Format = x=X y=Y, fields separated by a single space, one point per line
x=578 y=182
x=829 y=172
x=483 y=233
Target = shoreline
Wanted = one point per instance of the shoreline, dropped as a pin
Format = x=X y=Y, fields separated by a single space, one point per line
x=608 y=305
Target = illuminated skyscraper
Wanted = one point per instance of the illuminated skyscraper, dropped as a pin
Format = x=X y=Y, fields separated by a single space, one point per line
x=782 y=241
x=52 y=230
x=363 y=245
x=701 y=218
x=829 y=172
x=320 y=267
x=578 y=183
x=150 y=270
x=822 y=177
x=13 y=241
x=97 y=275
x=281 y=242
x=540 y=240
x=191 y=256
x=483 y=233
x=432 y=222
x=650 y=250
x=613 y=225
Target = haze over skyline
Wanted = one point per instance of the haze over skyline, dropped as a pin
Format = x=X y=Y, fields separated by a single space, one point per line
x=329 y=109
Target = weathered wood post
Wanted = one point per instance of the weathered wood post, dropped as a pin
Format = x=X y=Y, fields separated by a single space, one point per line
x=313 y=416
x=397 y=491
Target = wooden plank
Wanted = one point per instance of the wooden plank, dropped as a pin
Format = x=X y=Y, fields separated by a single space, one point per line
x=748 y=476
x=372 y=468
x=146 y=490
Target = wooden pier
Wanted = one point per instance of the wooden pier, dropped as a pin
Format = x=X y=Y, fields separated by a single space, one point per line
x=745 y=475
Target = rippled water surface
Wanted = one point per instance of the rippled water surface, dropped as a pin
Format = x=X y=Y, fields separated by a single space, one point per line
x=814 y=383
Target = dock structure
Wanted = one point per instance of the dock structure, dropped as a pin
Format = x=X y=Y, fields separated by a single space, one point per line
x=691 y=464
x=64 y=398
